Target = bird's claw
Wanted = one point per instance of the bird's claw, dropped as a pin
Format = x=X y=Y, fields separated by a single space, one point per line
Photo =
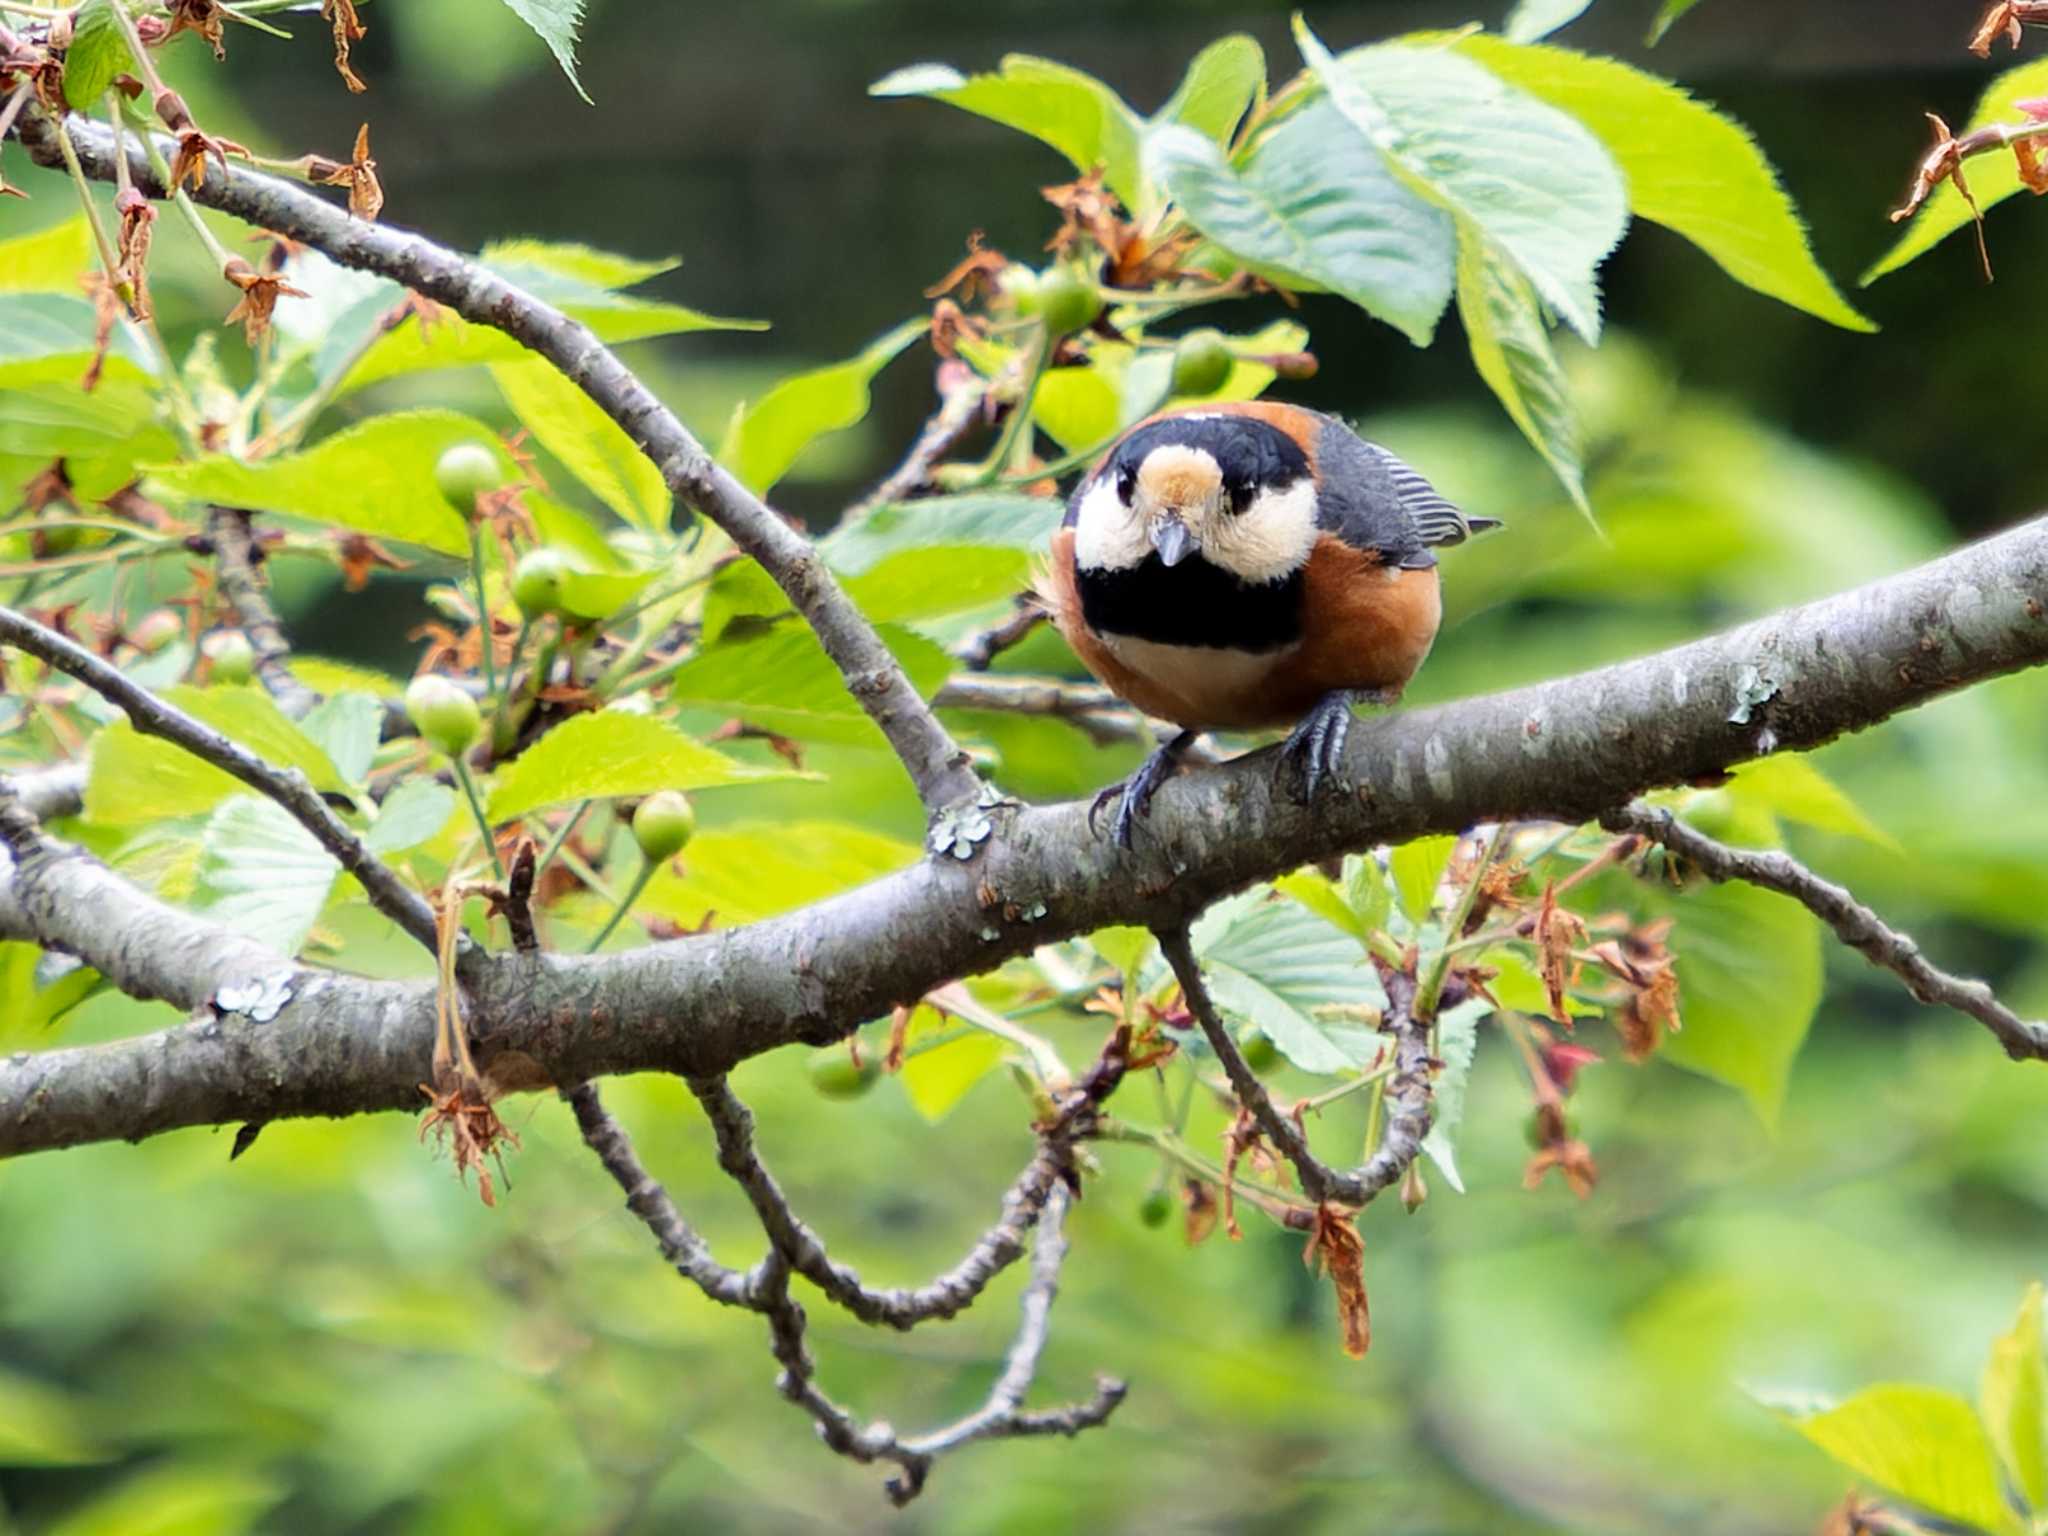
x=1316 y=746
x=1135 y=793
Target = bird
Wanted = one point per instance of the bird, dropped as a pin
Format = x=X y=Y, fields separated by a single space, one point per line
x=1246 y=565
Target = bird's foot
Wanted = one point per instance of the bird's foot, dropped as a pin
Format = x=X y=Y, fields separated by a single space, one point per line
x=1135 y=793
x=1316 y=746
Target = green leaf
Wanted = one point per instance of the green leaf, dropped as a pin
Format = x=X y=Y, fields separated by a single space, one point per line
x=992 y=519
x=1511 y=349
x=1919 y=1443
x=748 y=871
x=1418 y=869
x=376 y=478
x=1788 y=785
x=175 y=1499
x=1359 y=904
x=347 y=727
x=48 y=261
x=1543 y=189
x=138 y=779
x=1520 y=988
x=452 y=342
x=263 y=874
x=1667 y=17
x=98 y=52
x=941 y=579
x=1221 y=84
x=1321 y=895
x=42 y=1426
x=936 y=1080
x=1277 y=965
x=610 y=753
x=573 y=262
x=572 y=535
x=410 y=815
x=784 y=682
x=767 y=437
x=591 y=446
x=595 y=595
x=101 y=436
x=1993 y=178
x=555 y=21
x=1124 y=947
x=1688 y=167
x=1749 y=975
x=1073 y=112
x=325 y=676
x=2013 y=1401
x=47 y=325
x=1532 y=19
x=1457 y=1043
x=1315 y=206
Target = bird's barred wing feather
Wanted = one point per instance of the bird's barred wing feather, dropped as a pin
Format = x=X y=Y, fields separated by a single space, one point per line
x=1373 y=500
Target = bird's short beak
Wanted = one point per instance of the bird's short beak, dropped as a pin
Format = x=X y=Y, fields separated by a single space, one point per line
x=1171 y=538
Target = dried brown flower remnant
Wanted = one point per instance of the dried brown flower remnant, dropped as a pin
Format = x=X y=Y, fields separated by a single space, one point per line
x=1561 y=1150
x=358 y=173
x=260 y=293
x=1334 y=1245
x=2006 y=19
x=1558 y=934
x=1645 y=966
x=1942 y=163
x=194 y=143
x=202 y=16
x=348 y=29
x=138 y=225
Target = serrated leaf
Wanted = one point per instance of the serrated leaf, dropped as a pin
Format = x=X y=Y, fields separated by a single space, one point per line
x=607 y=754
x=48 y=261
x=573 y=262
x=410 y=815
x=1788 y=785
x=1533 y=19
x=1277 y=965
x=936 y=1080
x=591 y=446
x=1749 y=976
x=767 y=436
x=1073 y=112
x=98 y=52
x=2013 y=1401
x=1534 y=179
x=1315 y=206
x=137 y=779
x=748 y=871
x=1457 y=1043
x=1221 y=83
x=942 y=579
x=376 y=478
x=784 y=682
x=1511 y=350
x=1993 y=178
x=1418 y=869
x=263 y=874
x=347 y=727
x=1919 y=1443
x=1688 y=167
x=1667 y=17
x=555 y=23
x=993 y=520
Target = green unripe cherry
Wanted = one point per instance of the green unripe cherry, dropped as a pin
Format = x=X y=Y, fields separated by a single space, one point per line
x=464 y=472
x=664 y=825
x=445 y=716
x=1202 y=362
x=234 y=658
x=537 y=582
x=1155 y=1208
x=836 y=1075
x=1067 y=301
x=1017 y=286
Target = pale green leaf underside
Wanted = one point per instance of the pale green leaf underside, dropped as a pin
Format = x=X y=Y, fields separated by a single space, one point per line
x=1688 y=167
x=608 y=754
x=992 y=519
x=555 y=22
x=262 y=874
x=1924 y=1445
x=1533 y=19
x=1279 y=966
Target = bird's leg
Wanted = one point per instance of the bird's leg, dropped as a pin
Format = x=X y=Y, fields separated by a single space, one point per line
x=1316 y=746
x=1137 y=790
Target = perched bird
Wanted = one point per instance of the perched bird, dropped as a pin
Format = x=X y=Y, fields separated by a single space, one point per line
x=1245 y=565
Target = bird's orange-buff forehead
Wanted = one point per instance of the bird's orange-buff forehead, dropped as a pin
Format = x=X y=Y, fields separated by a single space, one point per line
x=1179 y=477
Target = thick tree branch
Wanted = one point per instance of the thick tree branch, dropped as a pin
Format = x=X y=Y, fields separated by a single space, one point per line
x=151 y=716
x=1854 y=924
x=1564 y=751
x=935 y=762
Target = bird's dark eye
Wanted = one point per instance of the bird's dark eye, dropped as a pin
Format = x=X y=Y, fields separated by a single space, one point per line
x=1126 y=484
x=1237 y=489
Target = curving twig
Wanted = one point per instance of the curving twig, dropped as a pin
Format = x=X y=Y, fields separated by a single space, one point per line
x=289 y=788
x=1854 y=924
x=936 y=764
x=239 y=561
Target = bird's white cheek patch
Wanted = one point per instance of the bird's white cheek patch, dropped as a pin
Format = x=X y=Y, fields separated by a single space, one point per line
x=1269 y=539
x=1108 y=536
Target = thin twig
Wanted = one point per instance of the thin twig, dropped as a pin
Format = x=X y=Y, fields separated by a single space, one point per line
x=288 y=787
x=1854 y=924
x=961 y=391
x=977 y=652
x=239 y=560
